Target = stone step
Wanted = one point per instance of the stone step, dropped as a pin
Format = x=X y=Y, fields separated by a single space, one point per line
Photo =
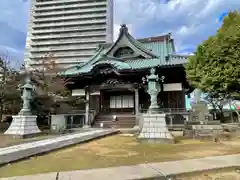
x=123 y=121
x=115 y=122
x=110 y=120
x=114 y=125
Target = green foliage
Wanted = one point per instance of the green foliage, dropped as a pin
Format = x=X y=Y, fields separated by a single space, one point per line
x=51 y=90
x=10 y=100
x=215 y=67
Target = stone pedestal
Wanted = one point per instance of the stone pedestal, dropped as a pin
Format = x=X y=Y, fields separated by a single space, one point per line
x=23 y=126
x=154 y=129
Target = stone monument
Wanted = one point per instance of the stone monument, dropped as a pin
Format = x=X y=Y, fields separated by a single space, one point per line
x=200 y=110
x=154 y=128
x=24 y=124
x=201 y=122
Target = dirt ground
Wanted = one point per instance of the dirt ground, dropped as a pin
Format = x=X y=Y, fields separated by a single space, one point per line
x=117 y=150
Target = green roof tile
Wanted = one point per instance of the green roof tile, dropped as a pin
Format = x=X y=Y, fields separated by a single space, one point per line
x=157 y=62
x=158 y=48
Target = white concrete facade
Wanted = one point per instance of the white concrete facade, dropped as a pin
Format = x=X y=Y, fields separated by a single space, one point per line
x=68 y=29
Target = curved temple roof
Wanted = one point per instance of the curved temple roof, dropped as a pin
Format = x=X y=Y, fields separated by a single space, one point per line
x=150 y=52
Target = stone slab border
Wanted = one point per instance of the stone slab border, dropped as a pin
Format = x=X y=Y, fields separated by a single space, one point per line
x=149 y=171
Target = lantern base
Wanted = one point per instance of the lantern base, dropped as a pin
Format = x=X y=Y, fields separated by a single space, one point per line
x=25 y=112
x=154 y=130
x=154 y=110
x=23 y=125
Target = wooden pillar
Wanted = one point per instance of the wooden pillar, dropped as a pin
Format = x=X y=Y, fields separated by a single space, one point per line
x=171 y=120
x=136 y=101
x=87 y=123
x=136 y=108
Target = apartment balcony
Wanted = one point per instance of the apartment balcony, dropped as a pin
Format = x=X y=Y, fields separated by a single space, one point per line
x=68 y=12
x=63 y=30
x=71 y=23
x=64 y=59
x=67 y=53
x=70 y=6
x=63 y=55
x=91 y=47
x=70 y=35
x=66 y=42
x=69 y=17
x=58 y=2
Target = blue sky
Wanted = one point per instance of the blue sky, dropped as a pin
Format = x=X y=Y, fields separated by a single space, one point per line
x=189 y=21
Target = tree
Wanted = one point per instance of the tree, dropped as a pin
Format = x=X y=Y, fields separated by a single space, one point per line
x=215 y=66
x=51 y=88
x=10 y=100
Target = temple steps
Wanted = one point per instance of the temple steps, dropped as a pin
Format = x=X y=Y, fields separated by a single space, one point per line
x=123 y=121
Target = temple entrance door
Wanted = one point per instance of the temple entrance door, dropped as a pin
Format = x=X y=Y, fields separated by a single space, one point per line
x=122 y=103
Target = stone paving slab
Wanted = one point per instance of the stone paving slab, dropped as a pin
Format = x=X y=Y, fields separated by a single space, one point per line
x=17 y=152
x=202 y=164
x=49 y=176
x=142 y=171
x=151 y=170
x=116 y=173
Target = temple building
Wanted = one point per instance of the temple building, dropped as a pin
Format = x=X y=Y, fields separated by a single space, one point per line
x=113 y=81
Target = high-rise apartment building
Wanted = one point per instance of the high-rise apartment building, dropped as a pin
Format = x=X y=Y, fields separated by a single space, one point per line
x=67 y=30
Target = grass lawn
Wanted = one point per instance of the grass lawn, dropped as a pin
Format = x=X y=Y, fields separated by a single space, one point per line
x=116 y=150
x=223 y=174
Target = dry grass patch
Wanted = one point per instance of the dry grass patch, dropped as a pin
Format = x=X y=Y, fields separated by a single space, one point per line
x=8 y=140
x=116 y=151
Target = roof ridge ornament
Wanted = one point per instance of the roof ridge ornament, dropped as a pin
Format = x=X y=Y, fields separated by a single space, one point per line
x=124 y=28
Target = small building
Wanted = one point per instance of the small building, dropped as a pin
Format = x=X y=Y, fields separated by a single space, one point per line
x=113 y=80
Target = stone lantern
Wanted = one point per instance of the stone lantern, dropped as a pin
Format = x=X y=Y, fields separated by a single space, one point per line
x=154 y=128
x=27 y=97
x=24 y=124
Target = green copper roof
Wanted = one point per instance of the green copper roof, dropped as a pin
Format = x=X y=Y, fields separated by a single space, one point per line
x=129 y=64
x=93 y=59
x=134 y=42
x=157 y=62
x=161 y=50
x=141 y=46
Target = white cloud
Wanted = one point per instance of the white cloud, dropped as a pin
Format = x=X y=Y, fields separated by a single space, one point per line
x=190 y=21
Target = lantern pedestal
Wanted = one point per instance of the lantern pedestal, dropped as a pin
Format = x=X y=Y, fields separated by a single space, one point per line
x=155 y=130
x=23 y=126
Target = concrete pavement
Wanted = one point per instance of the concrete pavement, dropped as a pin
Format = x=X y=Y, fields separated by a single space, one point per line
x=141 y=171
